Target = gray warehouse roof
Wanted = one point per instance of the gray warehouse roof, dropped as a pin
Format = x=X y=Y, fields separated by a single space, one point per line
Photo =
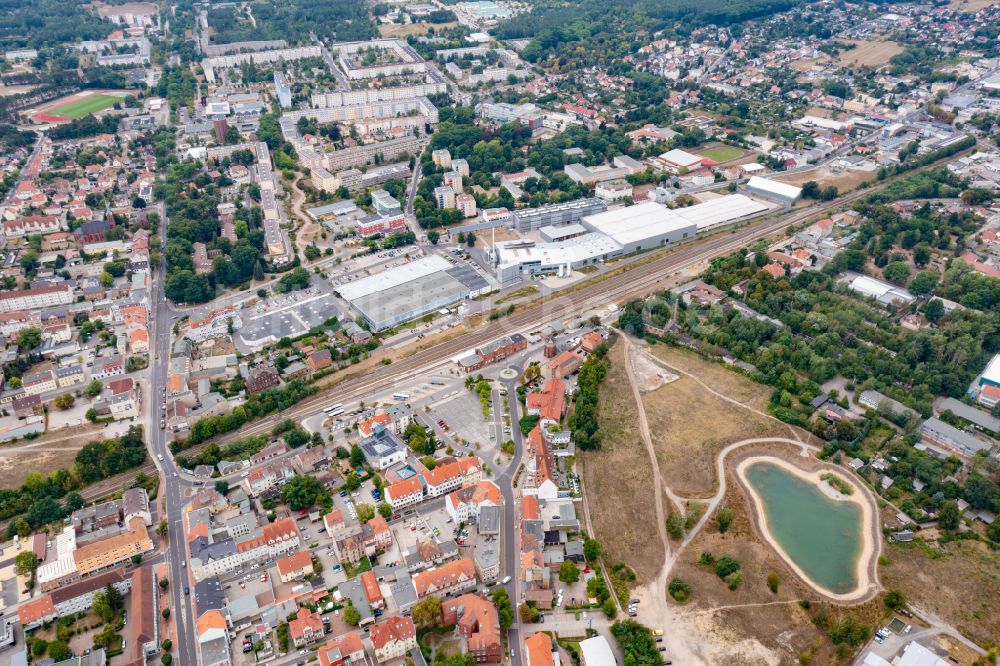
x=971 y=414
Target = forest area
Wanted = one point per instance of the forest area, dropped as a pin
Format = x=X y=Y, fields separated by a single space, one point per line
x=589 y=31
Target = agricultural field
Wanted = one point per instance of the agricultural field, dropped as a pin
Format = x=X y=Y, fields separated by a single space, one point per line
x=722 y=153
x=690 y=424
x=620 y=475
x=871 y=53
x=86 y=105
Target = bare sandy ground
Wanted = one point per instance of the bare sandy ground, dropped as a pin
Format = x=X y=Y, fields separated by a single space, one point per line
x=868 y=544
x=649 y=374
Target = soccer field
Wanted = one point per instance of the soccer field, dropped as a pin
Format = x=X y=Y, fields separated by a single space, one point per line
x=722 y=153
x=81 y=107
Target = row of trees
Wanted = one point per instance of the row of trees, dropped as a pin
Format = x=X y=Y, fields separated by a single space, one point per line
x=212 y=454
x=583 y=421
x=44 y=499
x=268 y=401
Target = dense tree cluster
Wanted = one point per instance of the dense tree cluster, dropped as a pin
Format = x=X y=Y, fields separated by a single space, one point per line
x=827 y=331
x=637 y=643
x=305 y=492
x=194 y=218
x=101 y=459
x=295 y=21
x=43 y=499
x=42 y=23
x=586 y=32
x=583 y=421
x=212 y=454
x=268 y=401
x=87 y=126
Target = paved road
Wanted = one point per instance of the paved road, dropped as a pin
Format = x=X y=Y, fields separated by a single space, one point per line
x=633 y=282
x=171 y=486
x=26 y=172
x=510 y=551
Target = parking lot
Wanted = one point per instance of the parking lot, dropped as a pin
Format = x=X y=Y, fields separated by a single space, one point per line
x=287 y=316
x=464 y=417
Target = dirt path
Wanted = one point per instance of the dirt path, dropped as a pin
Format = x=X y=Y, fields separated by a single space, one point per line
x=686 y=641
x=711 y=611
x=656 y=592
x=45 y=442
x=722 y=396
x=305 y=233
x=720 y=468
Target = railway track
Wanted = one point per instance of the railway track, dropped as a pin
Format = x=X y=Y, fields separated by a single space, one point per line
x=622 y=286
x=619 y=287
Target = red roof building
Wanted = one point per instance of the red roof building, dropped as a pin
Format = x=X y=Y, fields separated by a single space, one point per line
x=393 y=638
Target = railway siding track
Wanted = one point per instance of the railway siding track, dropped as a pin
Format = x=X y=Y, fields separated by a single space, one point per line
x=621 y=286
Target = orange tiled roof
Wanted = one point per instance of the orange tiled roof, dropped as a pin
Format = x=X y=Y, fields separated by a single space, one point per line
x=297 y=561
x=539 y=650
x=36 y=610
x=404 y=487
x=529 y=507
x=394 y=628
x=211 y=620
x=445 y=575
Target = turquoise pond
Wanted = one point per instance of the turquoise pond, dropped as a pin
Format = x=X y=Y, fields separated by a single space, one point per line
x=820 y=535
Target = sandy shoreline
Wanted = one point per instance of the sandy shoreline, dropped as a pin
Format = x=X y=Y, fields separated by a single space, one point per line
x=866 y=557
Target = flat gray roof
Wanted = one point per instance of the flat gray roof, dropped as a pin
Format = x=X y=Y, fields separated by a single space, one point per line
x=971 y=414
x=411 y=299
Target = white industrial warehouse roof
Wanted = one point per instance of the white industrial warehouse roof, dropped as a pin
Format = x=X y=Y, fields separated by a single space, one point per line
x=650 y=219
x=870 y=286
x=637 y=223
x=882 y=291
x=915 y=654
x=394 y=277
x=773 y=186
x=570 y=251
x=681 y=157
x=721 y=210
x=992 y=371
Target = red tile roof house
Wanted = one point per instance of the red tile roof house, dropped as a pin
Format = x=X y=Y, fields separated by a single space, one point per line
x=346 y=649
x=550 y=403
x=776 y=271
x=295 y=566
x=477 y=620
x=538 y=650
x=393 y=638
x=372 y=591
x=306 y=628
x=320 y=359
x=451 y=578
x=36 y=612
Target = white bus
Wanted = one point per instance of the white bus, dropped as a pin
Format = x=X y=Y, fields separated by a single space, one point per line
x=400 y=396
x=333 y=408
x=336 y=412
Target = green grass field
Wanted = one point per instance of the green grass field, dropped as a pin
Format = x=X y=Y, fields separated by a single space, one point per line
x=87 y=105
x=722 y=153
